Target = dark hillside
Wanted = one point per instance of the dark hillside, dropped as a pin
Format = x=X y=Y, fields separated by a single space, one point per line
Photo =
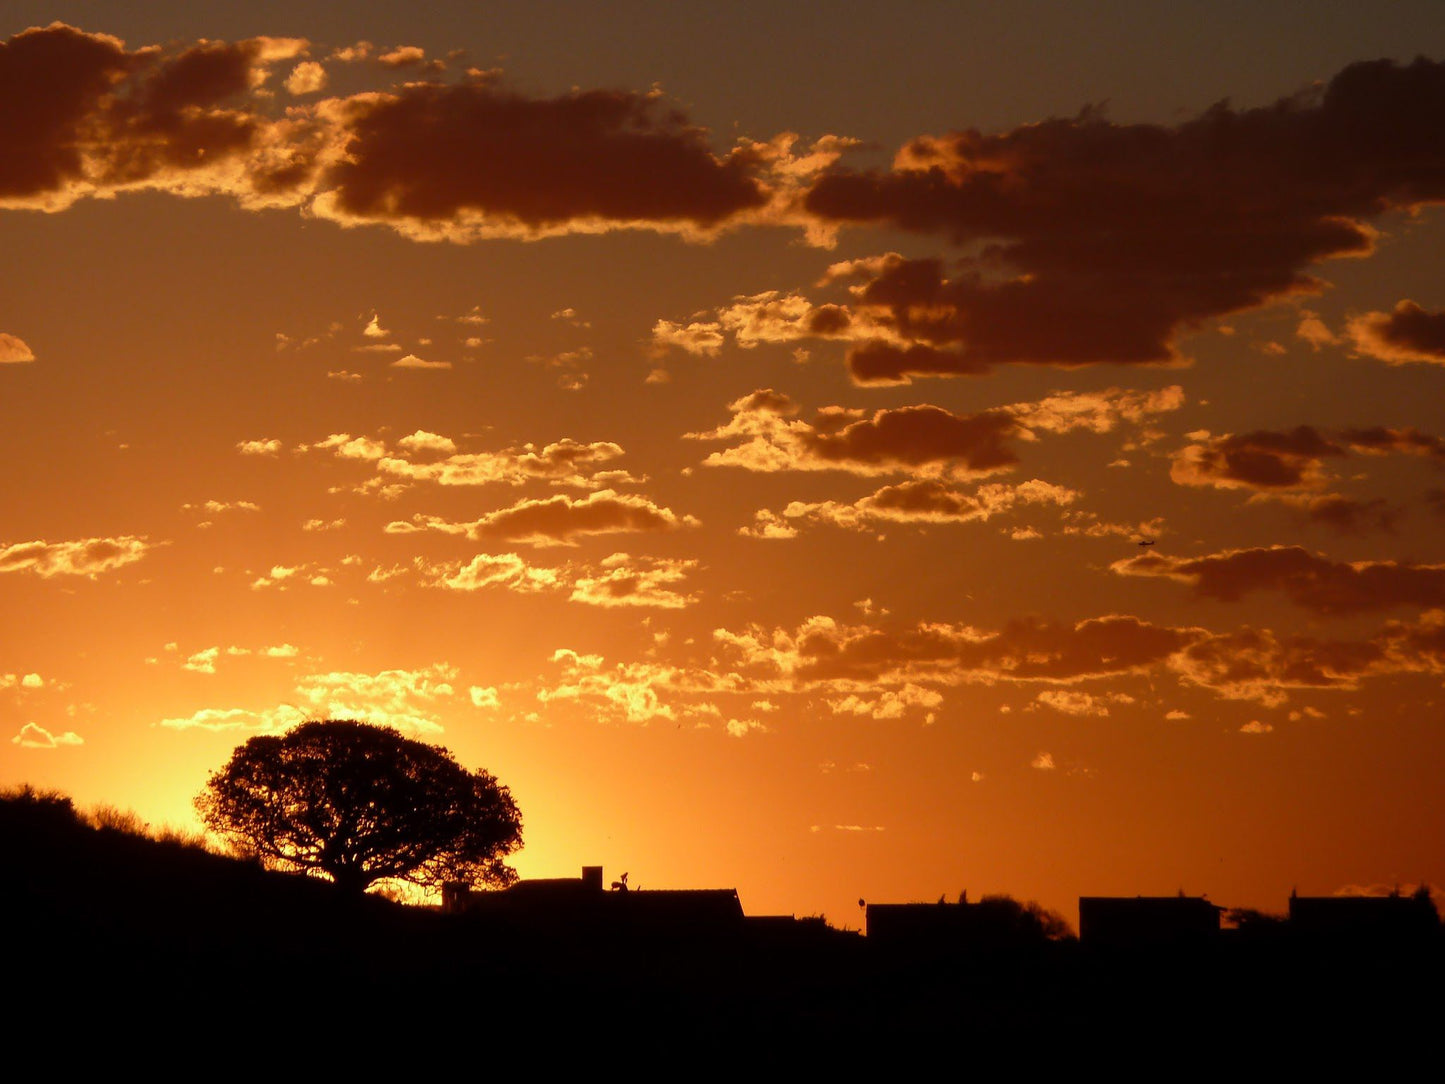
x=110 y=930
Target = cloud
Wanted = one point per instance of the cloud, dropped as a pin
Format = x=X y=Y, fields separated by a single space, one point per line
x=927 y=501
x=411 y=361
x=1073 y=702
x=422 y=442
x=283 y=577
x=1044 y=762
x=850 y=828
x=486 y=570
x=623 y=580
x=405 y=699
x=33 y=736
x=219 y=719
x=558 y=520
x=1331 y=588
x=1292 y=466
x=1350 y=516
x=1406 y=334
x=1380 y=440
x=89 y=117
x=699 y=337
x=823 y=651
x=202 y=662
x=1101 y=242
x=431 y=457
x=569 y=367
x=215 y=508
x=1097 y=411
x=1314 y=331
x=84 y=557
x=741 y=728
x=308 y=77
x=1260 y=665
x=637 y=692
x=921 y=439
x=270 y=447
x=473 y=160
x=915 y=439
x=485 y=696
x=1263 y=460
x=13 y=350
x=889 y=703
x=432 y=160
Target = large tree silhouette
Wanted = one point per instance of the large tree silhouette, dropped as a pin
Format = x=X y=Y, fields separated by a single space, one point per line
x=361 y=803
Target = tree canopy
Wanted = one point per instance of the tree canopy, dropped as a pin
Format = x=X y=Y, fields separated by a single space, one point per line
x=360 y=804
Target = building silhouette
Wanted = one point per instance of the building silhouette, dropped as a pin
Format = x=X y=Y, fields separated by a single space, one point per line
x=1123 y=921
x=1394 y=917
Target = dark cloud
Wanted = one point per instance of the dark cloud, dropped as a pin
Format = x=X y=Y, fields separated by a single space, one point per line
x=1286 y=465
x=1379 y=440
x=915 y=435
x=80 y=114
x=1101 y=242
x=1332 y=588
x=925 y=439
x=1262 y=460
x=1350 y=516
x=51 y=80
x=472 y=156
x=1409 y=333
x=1257 y=664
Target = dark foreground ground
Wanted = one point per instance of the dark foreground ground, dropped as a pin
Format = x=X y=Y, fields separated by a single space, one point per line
x=120 y=949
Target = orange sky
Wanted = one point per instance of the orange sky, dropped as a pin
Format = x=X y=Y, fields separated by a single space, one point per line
x=737 y=436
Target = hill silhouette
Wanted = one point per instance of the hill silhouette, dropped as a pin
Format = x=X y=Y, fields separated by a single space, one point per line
x=113 y=930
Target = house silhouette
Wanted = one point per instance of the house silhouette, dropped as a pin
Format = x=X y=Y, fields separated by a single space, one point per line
x=1124 y=921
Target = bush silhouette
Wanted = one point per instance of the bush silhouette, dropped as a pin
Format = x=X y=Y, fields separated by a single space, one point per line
x=361 y=804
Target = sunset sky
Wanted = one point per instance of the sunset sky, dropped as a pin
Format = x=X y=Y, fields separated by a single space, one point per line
x=735 y=428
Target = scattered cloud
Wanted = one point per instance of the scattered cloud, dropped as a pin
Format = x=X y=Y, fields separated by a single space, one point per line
x=202 y=662
x=34 y=736
x=921 y=502
x=85 y=557
x=424 y=456
x=485 y=570
x=1407 y=334
x=623 y=580
x=1307 y=579
x=1027 y=650
x=13 y=350
x=308 y=77
x=558 y=520
x=411 y=361
x=922 y=440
